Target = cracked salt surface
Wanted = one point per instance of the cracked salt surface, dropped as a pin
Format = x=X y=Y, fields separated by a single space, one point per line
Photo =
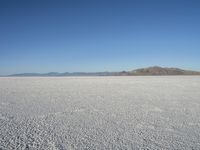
x=100 y=113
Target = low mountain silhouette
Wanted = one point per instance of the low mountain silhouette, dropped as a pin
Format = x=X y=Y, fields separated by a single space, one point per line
x=150 y=71
x=156 y=70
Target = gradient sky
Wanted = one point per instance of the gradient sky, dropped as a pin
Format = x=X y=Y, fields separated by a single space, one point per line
x=98 y=35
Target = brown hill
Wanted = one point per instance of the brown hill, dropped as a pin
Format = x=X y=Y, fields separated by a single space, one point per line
x=156 y=70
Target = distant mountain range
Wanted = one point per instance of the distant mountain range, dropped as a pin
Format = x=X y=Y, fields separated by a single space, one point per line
x=156 y=70
x=150 y=71
x=56 y=74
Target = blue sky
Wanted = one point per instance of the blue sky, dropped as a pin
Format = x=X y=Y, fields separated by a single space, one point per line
x=98 y=35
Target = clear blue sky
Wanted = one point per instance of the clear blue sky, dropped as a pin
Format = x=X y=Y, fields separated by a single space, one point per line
x=98 y=35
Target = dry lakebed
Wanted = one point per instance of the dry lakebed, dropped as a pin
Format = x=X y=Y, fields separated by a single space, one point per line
x=140 y=112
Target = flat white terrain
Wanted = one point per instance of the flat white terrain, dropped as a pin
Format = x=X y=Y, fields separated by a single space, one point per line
x=100 y=112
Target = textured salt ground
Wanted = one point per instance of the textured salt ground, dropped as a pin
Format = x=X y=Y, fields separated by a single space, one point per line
x=100 y=113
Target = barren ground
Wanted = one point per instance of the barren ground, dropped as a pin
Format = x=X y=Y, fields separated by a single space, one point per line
x=100 y=112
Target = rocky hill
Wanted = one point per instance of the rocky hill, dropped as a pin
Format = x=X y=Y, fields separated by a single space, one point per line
x=156 y=70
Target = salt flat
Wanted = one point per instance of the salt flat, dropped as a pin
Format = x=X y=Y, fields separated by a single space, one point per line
x=100 y=112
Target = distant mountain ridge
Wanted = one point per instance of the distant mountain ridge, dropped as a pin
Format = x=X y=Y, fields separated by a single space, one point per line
x=64 y=74
x=156 y=70
x=150 y=71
